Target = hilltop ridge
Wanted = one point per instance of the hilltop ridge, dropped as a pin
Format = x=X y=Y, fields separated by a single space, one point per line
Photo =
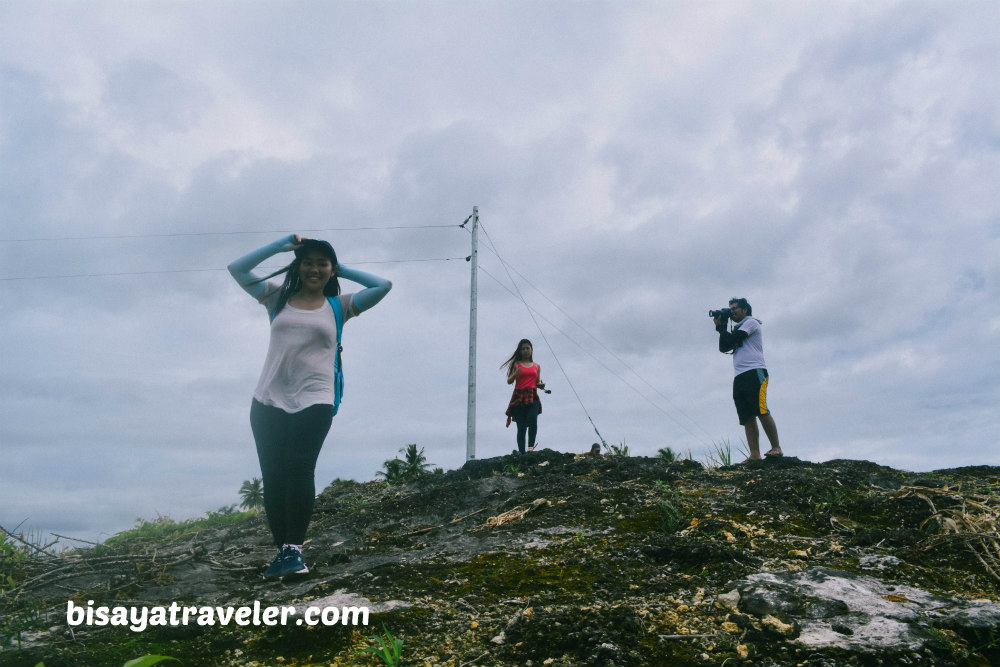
x=561 y=560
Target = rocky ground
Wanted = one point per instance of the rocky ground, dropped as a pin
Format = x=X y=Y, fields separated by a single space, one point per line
x=561 y=560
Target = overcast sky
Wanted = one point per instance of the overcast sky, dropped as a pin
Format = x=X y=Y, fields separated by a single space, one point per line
x=636 y=164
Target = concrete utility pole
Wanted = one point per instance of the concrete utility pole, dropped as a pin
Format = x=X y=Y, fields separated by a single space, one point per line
x=470 y=435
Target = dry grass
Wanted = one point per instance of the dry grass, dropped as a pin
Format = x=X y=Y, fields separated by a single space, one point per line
x=973 y=522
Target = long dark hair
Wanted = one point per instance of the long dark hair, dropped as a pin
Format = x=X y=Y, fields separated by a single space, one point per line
x=293 y=282
x=514 y=358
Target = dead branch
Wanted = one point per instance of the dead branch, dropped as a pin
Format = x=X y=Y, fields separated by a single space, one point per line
x=75 y=539
x=974 y=523
x=105 y=563
x=430 y=528
x=27 y=544
x=474 y=659
x=517 y=513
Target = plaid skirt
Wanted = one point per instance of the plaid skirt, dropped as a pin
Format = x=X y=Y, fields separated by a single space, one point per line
x=523 y=396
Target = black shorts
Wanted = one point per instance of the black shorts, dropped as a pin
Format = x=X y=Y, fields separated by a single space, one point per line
x=750 y=394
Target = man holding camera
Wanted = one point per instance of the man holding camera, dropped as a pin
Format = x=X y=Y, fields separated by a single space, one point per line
x=746 y=343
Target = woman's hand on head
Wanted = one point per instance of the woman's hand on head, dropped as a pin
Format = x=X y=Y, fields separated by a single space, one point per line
x=298 y=242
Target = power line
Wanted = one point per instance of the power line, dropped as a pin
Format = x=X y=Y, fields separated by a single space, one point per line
x=545 y=338
x=166 y=271
x=506 y=265
x=178 y=234
x=601 y=363
x=616 y=357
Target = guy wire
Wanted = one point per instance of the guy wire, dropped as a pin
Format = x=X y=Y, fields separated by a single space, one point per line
x=545 y=338
x=613 y=354
x=601 y=363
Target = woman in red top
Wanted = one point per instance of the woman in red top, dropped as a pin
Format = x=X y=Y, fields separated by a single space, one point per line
x=524 y=406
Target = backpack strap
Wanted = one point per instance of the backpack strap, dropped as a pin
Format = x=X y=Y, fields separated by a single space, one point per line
x=338 y=368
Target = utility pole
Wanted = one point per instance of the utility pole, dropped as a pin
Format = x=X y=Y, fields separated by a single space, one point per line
x=470 y=434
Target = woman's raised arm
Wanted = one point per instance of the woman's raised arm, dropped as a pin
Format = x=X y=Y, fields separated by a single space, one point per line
x=376 y=286
x=242 y=268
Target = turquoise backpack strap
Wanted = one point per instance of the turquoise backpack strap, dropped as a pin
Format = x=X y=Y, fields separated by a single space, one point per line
x=338 y=369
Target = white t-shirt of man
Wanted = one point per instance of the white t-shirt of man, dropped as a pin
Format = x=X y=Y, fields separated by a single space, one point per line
x=750 y=354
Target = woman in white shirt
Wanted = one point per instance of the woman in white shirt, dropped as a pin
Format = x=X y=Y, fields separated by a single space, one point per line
x=299 y=388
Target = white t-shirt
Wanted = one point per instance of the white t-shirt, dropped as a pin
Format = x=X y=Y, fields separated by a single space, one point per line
x=298 y=370
x=750 y=354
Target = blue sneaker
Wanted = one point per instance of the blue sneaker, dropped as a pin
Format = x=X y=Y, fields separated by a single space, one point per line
x=293 y=562
x=275 y=569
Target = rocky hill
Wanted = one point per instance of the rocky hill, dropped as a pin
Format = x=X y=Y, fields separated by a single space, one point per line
x=562 y=560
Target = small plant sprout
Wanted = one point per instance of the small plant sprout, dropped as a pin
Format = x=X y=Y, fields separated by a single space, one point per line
x=721 y=454
x=389 y=649
x=620 y=449
x=668 y=508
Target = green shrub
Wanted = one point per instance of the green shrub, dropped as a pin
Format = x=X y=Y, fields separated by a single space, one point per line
x=412 y=467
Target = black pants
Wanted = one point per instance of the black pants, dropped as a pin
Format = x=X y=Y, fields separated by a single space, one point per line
x=287 y=447
x=526 y=417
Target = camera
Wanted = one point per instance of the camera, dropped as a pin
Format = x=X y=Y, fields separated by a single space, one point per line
x=724 y=313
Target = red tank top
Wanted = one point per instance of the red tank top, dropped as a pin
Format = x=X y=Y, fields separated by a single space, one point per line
x=528 y=377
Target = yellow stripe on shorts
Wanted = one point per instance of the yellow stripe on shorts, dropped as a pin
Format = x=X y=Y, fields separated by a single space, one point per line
x=763 y=396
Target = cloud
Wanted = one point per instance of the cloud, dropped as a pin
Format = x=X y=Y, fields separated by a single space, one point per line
x=634 y=166
x=150 y=98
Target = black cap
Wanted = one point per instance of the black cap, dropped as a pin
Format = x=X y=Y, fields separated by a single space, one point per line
x=309 y=245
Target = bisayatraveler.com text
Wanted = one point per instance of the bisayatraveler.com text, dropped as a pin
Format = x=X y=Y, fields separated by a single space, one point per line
x=138 y=619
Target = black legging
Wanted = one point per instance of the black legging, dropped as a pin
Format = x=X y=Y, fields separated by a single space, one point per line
x=288 y=446
x=526 y=417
